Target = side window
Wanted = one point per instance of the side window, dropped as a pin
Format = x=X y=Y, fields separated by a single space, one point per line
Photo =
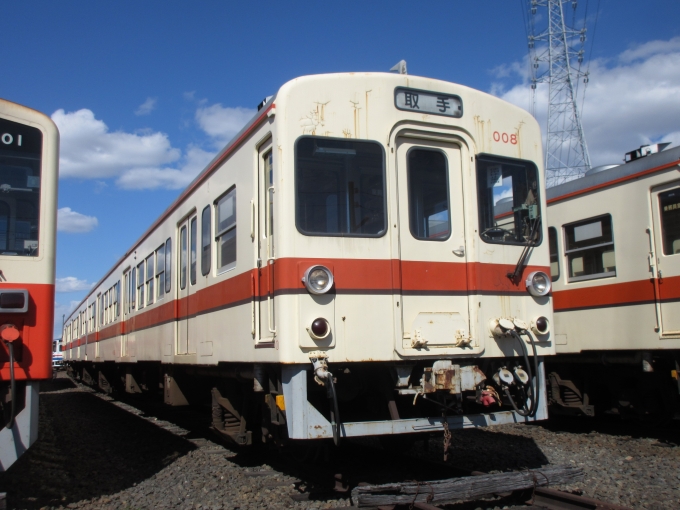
x=225 y=231
x=428 y=195
x=554 y=254
x=669 y=208
x=160 y=271
x=117 y=299
x=193 y=229
x=149 y=279
x=140 y=285
x=133 y=288
x=168 y=265
x=205 y=241
x=589 y=245
x=183 y=259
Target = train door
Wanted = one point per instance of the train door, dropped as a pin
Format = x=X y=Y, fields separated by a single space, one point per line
x=666 y=215
x=432 y=245
x=266 y=327
x=186 y=282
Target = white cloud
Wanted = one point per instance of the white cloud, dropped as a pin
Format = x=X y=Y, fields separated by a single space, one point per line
x=194 y=161
x=71 y=284
x=142 y=160
x=62 y=310
x=630 y=101
x=90 y=151
x=222 y=123
x=73 y=222
x=147 y=106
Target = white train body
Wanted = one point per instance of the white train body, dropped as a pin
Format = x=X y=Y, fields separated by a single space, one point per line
x=616 y=284
x=320 y=177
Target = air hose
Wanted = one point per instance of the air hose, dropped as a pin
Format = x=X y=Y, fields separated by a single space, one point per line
x=13 y=385
x=335 y=414
x=533 y=377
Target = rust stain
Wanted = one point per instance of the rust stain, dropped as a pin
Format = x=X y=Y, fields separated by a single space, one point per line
x=355 y=105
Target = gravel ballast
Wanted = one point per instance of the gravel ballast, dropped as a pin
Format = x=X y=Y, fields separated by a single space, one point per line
x=95 y=452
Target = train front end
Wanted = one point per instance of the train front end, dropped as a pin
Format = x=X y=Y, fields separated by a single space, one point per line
x=409 y=284
x=28 y=187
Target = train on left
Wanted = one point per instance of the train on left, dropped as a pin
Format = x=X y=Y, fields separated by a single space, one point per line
x=29 y=154
x=366 y=257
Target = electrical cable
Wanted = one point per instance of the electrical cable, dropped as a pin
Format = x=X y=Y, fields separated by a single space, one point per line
x=533 y=376
x=13 y=383
x=335 y=413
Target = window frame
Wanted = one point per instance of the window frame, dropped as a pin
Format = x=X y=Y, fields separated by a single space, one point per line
x=140 y=284
x=383 y=232
x=448 y=193
x=495 y=158
x=183 y=256
x=569 y=252
x=226 y=230
x=666 y=241
x=556 y=254
x=160 y=272
x=193 y=250
x=206 y=239
x=168 y=265
x=149 y=278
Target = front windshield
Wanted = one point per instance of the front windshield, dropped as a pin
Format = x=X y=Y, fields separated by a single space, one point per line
x=20 y=155
x=509 y=207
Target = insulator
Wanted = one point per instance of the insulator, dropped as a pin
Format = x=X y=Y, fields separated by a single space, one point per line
x=583 y=37
x=536 y=65
x=533 y=86
x=580 y=59
x=574 y=4
x=531 y=44
x=585 y=80
x=533 y=10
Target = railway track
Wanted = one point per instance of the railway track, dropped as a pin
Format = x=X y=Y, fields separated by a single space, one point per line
x=312 y=478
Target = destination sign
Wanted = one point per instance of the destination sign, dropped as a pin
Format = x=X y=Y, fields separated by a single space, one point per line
x=425 y=101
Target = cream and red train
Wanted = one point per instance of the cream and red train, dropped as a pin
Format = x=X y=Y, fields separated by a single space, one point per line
x=341 y=268
x=29 y=152
x=615 y=264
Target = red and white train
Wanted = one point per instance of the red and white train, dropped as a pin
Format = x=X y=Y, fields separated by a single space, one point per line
x=29 y=152
x=341 y=268
x=615 y=265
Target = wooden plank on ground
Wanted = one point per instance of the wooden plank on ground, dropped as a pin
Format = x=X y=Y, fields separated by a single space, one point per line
x=462 y=489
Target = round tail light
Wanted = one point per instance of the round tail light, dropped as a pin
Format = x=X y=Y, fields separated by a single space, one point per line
x=319 y=329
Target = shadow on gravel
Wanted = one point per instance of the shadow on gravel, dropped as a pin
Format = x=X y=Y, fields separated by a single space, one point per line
x=87 y=448
x=364 y=461
x=667 y=434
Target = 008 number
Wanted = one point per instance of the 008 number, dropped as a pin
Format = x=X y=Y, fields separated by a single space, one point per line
x=505 y=138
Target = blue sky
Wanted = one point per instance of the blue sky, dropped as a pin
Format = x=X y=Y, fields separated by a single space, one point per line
x=144 y=93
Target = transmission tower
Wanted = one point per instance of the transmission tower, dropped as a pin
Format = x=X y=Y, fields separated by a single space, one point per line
x=556 y=54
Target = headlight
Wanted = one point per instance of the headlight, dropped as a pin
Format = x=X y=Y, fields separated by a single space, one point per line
x=318 y=279
x=538 y=283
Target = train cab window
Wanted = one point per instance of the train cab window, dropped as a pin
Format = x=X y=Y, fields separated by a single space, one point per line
x=168 y=265
x=669 y=207
x=428 y=195
x=140 y=285
x=20 y=162
x=225 y=235
x=160 y=271
x=509 y=206
x=554 y=254
x=193 y=232
x=590 y=249
x=206 y=243
x=340 y=187
x=183 y=259
x=149 y=279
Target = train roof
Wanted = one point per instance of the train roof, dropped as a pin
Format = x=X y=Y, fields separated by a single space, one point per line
x=615 y=175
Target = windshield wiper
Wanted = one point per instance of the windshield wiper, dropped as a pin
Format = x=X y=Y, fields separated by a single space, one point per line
x=531 y=242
